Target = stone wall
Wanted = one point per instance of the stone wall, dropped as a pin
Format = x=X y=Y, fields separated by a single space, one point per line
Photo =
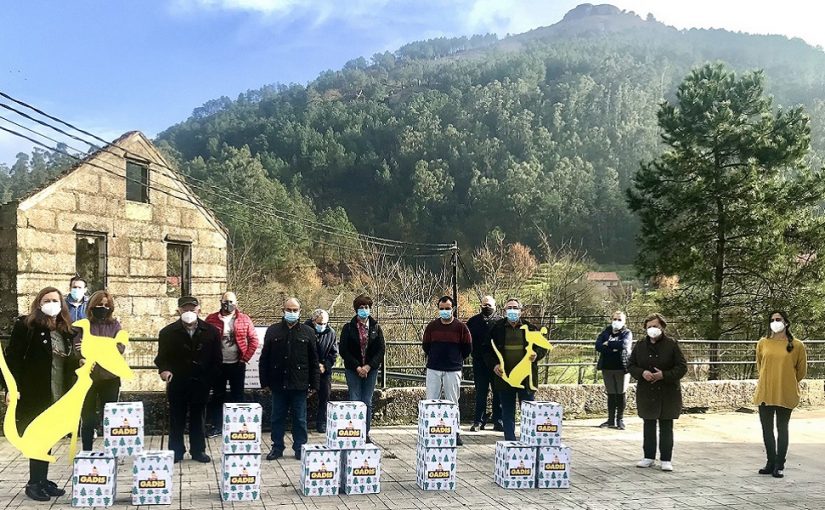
x=399 y=406
x=8 y=266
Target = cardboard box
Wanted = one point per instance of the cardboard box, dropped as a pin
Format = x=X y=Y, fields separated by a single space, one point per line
x=437 y=423
x=361 y=470
x=320 y=470
x=123 y=428
x=240 y=477
x=94 y=479
x=346 y=425
x=435 y=468
x=541 y=423
x=515 y=465
x=242 y=428
x=153 y=472
x=553 y=467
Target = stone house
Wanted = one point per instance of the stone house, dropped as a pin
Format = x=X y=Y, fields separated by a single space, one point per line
x=125 y=222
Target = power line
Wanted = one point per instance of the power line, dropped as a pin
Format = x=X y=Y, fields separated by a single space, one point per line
x=186 y=198
x=326 y=228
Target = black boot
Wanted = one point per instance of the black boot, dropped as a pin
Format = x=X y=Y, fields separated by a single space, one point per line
x=767 y=470
x=621 y=402
x=37 y=491
x=611 y=412
x=778 y=471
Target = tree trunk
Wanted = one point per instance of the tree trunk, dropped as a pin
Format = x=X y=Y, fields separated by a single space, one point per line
x=715 y=328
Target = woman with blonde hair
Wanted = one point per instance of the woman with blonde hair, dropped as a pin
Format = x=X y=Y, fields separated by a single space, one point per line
x=613 y=346
x=105 y=385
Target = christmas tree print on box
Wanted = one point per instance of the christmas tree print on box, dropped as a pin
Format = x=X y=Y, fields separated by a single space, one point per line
x=437 y=423
x=123 y=428
x=242 y=428
x=240 y=477
x=515 y=465
x=153 y=472
x=320 y=470
x=94 y=479
x=541 y=423
x=361 y=470
x=435 y=468
x=553 y=467
x=346 y=425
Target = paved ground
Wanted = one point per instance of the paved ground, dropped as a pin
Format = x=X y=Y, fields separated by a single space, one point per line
x=715 y=460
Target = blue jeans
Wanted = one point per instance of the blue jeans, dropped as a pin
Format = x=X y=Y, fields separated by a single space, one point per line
x=282 y=401
x=508 y=408
x=361 y=390
x=483 y=381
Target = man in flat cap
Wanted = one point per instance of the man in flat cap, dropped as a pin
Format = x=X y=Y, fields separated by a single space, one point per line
x=189 y=357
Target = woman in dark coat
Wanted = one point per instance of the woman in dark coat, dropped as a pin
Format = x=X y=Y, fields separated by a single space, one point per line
x=613 y=345
x=39 y=356
x=657 y=363
x=362 y=349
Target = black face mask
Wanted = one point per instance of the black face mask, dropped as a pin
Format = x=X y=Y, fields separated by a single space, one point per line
x=486 y=311
x=228 y=307
x=100 y=312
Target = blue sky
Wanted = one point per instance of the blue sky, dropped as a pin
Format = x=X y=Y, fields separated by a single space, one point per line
x=111 y=66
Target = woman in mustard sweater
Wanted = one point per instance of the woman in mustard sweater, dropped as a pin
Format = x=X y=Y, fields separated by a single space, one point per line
x=781 y=362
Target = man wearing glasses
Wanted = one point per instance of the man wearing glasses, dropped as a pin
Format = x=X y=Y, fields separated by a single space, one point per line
x=325 y=342
x=446 y=343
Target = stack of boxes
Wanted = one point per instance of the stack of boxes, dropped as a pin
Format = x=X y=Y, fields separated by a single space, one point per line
x=94 y=480
x=539 y=459
x=436 y=452
x=241 y=460
x=346 y=463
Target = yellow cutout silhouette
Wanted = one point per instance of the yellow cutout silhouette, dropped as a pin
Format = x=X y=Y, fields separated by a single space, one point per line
x=63 y=416
x=524 y=368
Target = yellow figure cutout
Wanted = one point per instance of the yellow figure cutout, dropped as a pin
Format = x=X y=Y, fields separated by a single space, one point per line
x=524 y=368
x=63 y=417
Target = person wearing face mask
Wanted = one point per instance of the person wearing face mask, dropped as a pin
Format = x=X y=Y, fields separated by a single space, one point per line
x=327 y=345
x=657 y=363
x=479 y=326
x=781 y=362
x=39 y=355
x=77 y=300
x=289 y=368
x=189 y=359
x=446 y=343
x=510 y=340
x=362 y=350
x=105 y=385
x=239 y=341
x=613 y=346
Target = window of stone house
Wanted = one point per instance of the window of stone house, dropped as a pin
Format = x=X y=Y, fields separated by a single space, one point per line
x=137 y=182
x=178 y=269
x=90 y=259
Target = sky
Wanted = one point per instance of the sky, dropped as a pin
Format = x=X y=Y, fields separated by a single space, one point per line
x=112 y=66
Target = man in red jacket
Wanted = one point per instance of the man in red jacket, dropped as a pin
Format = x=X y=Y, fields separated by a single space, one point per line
x=239 y=341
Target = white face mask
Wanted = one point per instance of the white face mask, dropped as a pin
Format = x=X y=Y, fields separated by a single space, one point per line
x=618 y=324
x=777 y=327
x=654 y=332
x=188 y=317
x=52 y=308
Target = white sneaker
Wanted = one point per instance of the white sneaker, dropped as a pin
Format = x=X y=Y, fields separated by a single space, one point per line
x=645 y=463
x=667 y=465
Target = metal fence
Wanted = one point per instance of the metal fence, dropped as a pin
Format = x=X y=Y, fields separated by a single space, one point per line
x=572 y=360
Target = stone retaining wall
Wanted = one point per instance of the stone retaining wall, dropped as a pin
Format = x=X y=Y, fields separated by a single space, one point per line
x=399 y=406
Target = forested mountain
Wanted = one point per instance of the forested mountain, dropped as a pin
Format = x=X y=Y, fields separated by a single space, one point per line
x=451 y=138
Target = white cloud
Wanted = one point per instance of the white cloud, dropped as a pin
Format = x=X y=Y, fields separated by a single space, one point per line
x=320 y=10
x=503 y=17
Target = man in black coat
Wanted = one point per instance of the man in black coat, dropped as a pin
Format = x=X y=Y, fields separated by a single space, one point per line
x=479 y=326
x=189 y=358
x=289 y=368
